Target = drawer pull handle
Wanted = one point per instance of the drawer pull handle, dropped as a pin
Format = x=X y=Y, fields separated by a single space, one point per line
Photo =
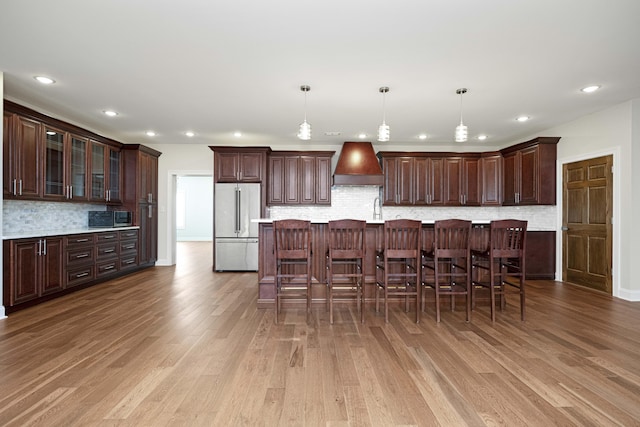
x=108 y=251
x=108 y=237
x=81 y=240
x=129 y=261
x=82 y=256
x=129 y=247
x=110 y=267
x=81 y=275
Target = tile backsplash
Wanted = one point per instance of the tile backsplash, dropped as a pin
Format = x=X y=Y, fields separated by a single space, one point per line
x=20 y=216
x=357 y=202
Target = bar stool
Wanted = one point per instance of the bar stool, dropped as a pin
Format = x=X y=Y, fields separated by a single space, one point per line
x=398 y=264
x=503 y=260
x=292 y=245
x=449 y=263
x=345 y=262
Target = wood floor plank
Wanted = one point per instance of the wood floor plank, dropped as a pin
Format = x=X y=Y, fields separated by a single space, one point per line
x=184 y=346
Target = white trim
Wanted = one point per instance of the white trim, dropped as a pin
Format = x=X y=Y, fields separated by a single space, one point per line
x=171 y=244
x=616 y=289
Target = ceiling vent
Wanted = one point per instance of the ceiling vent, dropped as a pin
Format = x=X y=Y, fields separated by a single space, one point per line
x=358 y=165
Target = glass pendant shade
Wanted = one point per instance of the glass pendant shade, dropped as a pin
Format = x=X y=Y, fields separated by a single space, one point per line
x=383 y=132
x=461 y=133
x=305 y=131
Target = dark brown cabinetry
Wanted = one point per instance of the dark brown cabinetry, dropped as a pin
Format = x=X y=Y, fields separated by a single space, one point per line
x=23 y=149
x=530 y=172
x=435 y=179
x=491 y=179
x=106 y=179
x=39 y=268
x=47 y=159
x=140 y=196
x=234 y=164
x=299 y=178
x=32 y=268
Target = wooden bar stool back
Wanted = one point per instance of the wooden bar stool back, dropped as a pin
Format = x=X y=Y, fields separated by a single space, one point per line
x=292 y=245
x=398 y=264
x=502 y=262
x=449 y=263
x=345 y=263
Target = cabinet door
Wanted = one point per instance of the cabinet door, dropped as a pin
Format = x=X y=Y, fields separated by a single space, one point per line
x=8 y=168
x=323 y=181
x=148 y=214
x=98 y=168
x=275 y=194
x=436 y=181
x=28 y=152
x=226 y=167
x=151 y=178
x=52 y=259
x=491 y=172
x=390 y=180
x=250 y=167
x=405 y=180
x=307 y=179
x=511 y=165
x=54 y=159
x=452 y=181
x=422 y=181
x=529 y=174
x=26 y=277
x=291 y=180
x=78 y=178
x=114 y=181
x=471 y=192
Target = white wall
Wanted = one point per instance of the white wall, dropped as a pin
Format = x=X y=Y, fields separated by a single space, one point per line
x=612 y=131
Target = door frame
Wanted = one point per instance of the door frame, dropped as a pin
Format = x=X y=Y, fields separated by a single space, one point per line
x=615 y=217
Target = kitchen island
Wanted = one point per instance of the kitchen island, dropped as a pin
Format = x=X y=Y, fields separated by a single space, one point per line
x=540 y=257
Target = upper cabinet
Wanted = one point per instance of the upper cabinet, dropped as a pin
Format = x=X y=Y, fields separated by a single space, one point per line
x=47 y=159
x=299 y=178
x=23 y=153
x=530 y=172
x=105 y=167
x=240 y=164
x=491 y=179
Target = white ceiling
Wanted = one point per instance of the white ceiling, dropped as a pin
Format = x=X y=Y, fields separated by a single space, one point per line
x=216 y=67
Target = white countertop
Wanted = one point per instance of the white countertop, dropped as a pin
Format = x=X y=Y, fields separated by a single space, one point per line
x=61 y=232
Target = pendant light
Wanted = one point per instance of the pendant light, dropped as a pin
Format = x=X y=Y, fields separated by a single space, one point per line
x=461 y=129
x=383 y=129
x=305 y=128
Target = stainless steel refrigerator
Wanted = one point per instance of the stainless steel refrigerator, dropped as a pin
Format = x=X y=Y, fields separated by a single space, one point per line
x=235 y=235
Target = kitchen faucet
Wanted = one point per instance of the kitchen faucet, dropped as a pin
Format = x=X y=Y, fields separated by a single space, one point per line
x=377 y=209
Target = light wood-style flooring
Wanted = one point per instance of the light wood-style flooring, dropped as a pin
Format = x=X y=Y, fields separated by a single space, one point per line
x=183 y=346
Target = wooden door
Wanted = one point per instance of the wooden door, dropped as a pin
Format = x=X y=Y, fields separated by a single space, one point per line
x=586 y=223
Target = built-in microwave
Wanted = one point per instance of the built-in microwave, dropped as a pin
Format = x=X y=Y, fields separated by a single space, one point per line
x=105 y=219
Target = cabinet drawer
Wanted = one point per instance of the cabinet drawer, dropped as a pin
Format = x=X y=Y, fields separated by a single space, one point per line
x=107 y=250
x=107 y=267
x=80 y=275
x=128 y=261
x=109 y=236
x=128 y=234
x=81 y=255
x=128 y=246
x=79 y=240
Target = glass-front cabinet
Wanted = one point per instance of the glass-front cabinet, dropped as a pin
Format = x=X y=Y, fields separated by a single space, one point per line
x=65 y=166
x=105 y=173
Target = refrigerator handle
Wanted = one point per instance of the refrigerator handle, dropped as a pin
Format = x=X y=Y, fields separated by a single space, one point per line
x=237 y=219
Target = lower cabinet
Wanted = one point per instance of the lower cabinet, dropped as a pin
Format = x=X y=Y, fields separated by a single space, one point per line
x=32 y=268
x=38 y=268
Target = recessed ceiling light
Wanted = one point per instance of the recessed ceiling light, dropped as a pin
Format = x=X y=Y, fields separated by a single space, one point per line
x=522 y=118
x=482 y=137
x=110 y=113
x=150 y=133
x=422 y=136
x=590 y=89
x=362 y=135
x=44 y=80
x=190 y=134
x=237 y=134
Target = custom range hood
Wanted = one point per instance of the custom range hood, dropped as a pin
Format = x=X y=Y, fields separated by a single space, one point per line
x=358 y=165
